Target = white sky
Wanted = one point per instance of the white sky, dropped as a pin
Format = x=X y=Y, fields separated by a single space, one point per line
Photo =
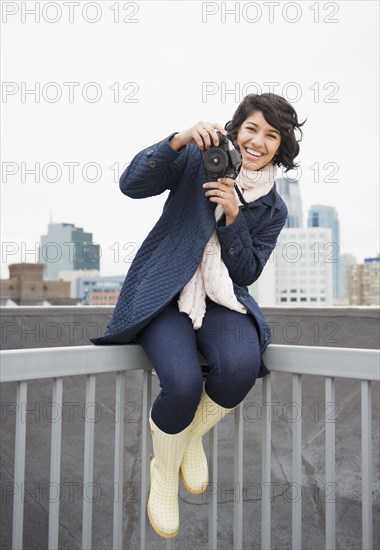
x=170 y=54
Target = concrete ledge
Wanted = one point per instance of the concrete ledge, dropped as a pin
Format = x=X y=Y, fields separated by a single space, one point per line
x=346 y=326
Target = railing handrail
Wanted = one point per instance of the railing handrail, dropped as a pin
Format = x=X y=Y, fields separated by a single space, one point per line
x=35 y=363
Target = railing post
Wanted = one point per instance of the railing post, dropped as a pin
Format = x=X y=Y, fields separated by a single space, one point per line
x=330 y=465
x=366 y=406
x=118 y=462
x=266 y=463
x=238 y=479
x=213 y=483
x=55 y=465
x=146 y=446
x=297 y=464
x=88 y=473
x=19 y=475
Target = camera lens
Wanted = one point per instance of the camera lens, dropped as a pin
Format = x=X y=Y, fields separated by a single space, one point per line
x=215 y=160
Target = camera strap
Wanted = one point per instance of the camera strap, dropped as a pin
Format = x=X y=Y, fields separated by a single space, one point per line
x=246 y=204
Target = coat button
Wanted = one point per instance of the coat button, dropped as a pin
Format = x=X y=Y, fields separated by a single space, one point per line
x=152 y=164
x=149 y=153
x=231 y=251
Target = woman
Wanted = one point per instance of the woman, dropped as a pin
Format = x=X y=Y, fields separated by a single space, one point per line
x=186 y=290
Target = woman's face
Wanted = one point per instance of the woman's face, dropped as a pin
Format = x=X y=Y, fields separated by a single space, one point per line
x=258 y=141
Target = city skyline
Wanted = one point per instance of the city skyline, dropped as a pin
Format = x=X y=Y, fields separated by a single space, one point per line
x=120 y=251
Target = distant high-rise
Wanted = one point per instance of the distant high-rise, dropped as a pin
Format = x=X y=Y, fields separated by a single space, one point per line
x=303 y=270
x=290 y=192
x=364 y=283
x=345 y=260
x=321 y=215
x=66 y=247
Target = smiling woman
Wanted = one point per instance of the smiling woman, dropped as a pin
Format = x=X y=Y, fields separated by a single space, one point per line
x=186 y=290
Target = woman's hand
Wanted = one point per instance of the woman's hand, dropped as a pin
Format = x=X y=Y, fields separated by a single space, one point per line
x=203 y=134
x=223 y=192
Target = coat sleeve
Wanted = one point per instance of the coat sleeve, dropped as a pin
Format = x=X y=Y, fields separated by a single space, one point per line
x=246 y=254
x=153 y=170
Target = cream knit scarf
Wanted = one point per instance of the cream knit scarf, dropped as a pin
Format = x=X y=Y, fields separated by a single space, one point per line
x=211 y=277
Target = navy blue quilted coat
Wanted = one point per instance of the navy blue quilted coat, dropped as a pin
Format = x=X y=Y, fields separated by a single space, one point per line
x=172 y=251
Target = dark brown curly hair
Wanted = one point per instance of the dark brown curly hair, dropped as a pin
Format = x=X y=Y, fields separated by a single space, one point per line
x=279 y=114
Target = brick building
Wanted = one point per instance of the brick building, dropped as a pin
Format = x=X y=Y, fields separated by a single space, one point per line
x=26 y=286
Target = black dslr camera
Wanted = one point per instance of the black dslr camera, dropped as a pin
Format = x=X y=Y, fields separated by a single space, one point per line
x=223 y=161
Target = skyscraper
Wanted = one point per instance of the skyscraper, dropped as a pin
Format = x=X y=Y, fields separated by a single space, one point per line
x=66 y=247
x=321 y=215
x=290 y=192
x=345 y=261
x=303 y=271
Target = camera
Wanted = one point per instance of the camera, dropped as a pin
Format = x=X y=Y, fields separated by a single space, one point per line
x=223 y=161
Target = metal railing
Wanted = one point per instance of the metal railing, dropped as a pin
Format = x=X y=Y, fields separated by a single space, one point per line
x=30 y=364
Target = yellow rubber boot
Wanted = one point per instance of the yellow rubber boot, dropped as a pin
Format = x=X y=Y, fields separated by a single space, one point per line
x=194 y=468
x=164 y=468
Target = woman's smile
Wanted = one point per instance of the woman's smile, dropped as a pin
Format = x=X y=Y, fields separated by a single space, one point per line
x=252 y=154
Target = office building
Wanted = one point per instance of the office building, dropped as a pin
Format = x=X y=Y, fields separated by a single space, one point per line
x=364 y=283
x=326 y=216
x=99 y=290
x=290 y=193
x=345 y=261
x=304 y=272
x=66 y=247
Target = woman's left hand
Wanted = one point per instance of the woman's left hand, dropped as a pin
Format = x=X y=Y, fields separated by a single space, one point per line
x=223 y=192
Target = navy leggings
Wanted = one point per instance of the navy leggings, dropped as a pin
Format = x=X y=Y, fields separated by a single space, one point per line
x=227 y=339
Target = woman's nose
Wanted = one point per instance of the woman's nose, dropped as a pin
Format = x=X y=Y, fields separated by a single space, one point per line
x=257 y=140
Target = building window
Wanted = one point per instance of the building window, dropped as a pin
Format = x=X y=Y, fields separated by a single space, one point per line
x=293 y=299
x=303 y=298
x=283 y=300
x=313 y=299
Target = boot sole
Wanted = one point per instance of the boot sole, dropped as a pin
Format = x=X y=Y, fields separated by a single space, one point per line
x=157 y=530
x=190 y=489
